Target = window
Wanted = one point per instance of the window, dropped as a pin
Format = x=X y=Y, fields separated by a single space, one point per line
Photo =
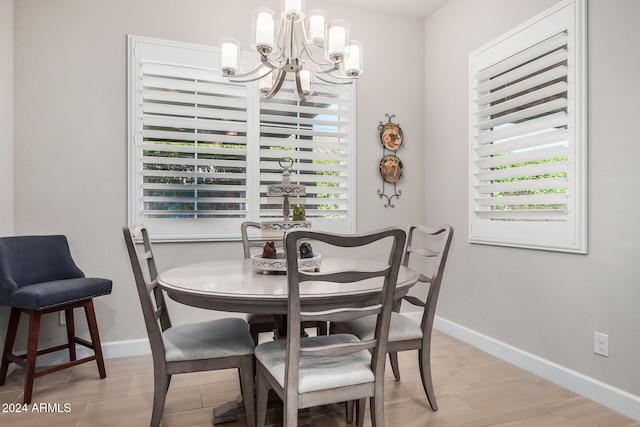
x=314 y=134
x=202 y=150
x=528 y=135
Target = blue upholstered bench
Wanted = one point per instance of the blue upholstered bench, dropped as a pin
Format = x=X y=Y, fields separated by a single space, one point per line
x=38 y=276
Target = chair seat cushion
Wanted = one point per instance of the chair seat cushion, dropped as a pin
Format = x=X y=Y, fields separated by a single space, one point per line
x=209 y=339
x=404 y=326
x=41 y=296
x=318 y=373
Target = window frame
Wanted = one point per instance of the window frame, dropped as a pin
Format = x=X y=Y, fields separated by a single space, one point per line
x=568 y=234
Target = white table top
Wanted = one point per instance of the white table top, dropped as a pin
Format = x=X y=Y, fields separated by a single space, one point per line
x=234 y=285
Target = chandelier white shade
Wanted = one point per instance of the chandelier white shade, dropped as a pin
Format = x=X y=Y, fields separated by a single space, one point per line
x=296 y=46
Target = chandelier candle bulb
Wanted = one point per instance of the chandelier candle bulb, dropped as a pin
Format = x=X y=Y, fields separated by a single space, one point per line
x=337 y=35
x=266 y=80
x=305 y=82
x=353 y=63
x=264 y=33
x=293 y=10
x=315 y=31
x=229 y=56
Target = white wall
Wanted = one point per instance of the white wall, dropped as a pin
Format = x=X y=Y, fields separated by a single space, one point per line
x=70 y=127
x=6 y=117
x=545 y=303
x=6 y=133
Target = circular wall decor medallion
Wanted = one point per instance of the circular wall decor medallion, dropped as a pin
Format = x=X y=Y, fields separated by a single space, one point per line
x=391 y=136
x=391 y=168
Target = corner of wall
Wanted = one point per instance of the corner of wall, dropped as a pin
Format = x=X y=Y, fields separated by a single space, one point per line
x=6 y=117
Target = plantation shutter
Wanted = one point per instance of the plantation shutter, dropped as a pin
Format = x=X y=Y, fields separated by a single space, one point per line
x=521 y=140
x=315 y=134
x=194 y=144
x=188 y=138
x=202 y=150
x=527 y=151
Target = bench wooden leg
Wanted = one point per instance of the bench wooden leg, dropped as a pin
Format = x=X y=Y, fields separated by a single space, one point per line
x=32 y=354
x=95 y=337
x=71 y=332
x=28 y=361
x=14 y=319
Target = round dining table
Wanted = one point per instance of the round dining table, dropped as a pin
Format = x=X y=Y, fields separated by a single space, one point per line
x=237 y=286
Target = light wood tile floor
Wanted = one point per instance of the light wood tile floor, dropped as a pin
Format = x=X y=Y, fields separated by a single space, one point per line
x=472 y=387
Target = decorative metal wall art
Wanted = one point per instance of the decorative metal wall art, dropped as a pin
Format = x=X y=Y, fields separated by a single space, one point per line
x=390 y=165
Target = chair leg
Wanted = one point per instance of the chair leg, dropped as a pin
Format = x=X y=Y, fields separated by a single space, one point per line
x=160 y=388
x=71 y=332
x=280 y=322
x=377 y=405
x=95 y=336
x=246 y=383
x=424 y=361
x=377 y=412
x=349 y=408
x=322 y=328
x=14 y=319
x=261 y=401
x=32 y=354
x=360 y=408
x=290 y=411
x=395 y=367
x=255 y=334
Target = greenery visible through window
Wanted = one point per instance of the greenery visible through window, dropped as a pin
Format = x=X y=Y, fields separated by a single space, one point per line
x=559 y=190
x=538 y=110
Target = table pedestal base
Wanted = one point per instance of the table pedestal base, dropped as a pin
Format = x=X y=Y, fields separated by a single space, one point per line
x=228 y=412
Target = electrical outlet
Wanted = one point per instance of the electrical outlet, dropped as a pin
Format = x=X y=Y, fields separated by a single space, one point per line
x=601 y=344
x=63 y=318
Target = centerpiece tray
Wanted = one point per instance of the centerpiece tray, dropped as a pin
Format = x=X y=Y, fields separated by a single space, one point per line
x=279 y=264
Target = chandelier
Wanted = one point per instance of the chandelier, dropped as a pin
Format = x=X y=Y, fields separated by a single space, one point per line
x=296 y=46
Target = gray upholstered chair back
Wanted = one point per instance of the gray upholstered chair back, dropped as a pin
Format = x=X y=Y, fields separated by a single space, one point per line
x=26 y=260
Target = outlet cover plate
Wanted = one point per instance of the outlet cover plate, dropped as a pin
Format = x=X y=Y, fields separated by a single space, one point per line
x=601 y=344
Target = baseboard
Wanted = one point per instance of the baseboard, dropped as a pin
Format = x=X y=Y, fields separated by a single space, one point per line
x=605 y=394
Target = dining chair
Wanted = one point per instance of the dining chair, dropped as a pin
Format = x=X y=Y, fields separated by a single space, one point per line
x=39 y=276
x=411 y=330
x=318 y=370
x=265 y=322
x=209 y=345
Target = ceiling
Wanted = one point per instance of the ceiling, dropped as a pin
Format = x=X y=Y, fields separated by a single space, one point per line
x=410 y=8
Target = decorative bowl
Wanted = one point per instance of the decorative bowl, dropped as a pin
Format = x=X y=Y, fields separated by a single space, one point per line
x=279 y=264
